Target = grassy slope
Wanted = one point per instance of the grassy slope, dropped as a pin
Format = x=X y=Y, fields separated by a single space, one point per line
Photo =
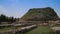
x=41 y=30
x=43 y=12
x=9 y=28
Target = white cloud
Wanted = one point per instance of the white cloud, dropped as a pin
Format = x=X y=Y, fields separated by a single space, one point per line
x=13 y=9
x=10 y=11
x=2 y=10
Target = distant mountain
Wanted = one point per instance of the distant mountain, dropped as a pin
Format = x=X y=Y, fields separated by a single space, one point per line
x=40 y=14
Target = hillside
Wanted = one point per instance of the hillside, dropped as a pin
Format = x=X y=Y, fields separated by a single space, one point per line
x=40 y=14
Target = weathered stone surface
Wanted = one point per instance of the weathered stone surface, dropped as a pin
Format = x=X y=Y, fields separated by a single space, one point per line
x=20 y=30
x=56 y=30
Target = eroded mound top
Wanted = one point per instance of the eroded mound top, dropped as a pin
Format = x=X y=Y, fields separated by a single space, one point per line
x=40 y=14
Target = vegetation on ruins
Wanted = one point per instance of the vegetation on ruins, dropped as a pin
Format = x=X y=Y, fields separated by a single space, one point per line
x=40 y=14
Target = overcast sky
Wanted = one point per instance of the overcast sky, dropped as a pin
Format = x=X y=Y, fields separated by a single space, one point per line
x=18 y=8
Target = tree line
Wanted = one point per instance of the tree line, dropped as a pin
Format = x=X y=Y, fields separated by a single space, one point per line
x=4 y=18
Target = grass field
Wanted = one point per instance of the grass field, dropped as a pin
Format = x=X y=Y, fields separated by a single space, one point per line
x=41 y=30
x=9 y=28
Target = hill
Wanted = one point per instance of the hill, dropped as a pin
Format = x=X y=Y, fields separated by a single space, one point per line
x=40 y=14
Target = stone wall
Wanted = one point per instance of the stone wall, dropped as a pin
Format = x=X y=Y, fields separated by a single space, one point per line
x=20 y=31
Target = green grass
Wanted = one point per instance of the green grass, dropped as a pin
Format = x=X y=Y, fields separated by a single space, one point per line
x=41 y=30
x=6 y=29
x=9 y=28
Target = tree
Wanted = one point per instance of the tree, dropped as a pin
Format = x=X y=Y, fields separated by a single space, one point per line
x=4 y=18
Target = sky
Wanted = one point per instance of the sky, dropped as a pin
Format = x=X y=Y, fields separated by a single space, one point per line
x=17 y=8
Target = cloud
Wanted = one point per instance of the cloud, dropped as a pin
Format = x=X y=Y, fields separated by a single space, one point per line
x=10 y=9
x=2 y=10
